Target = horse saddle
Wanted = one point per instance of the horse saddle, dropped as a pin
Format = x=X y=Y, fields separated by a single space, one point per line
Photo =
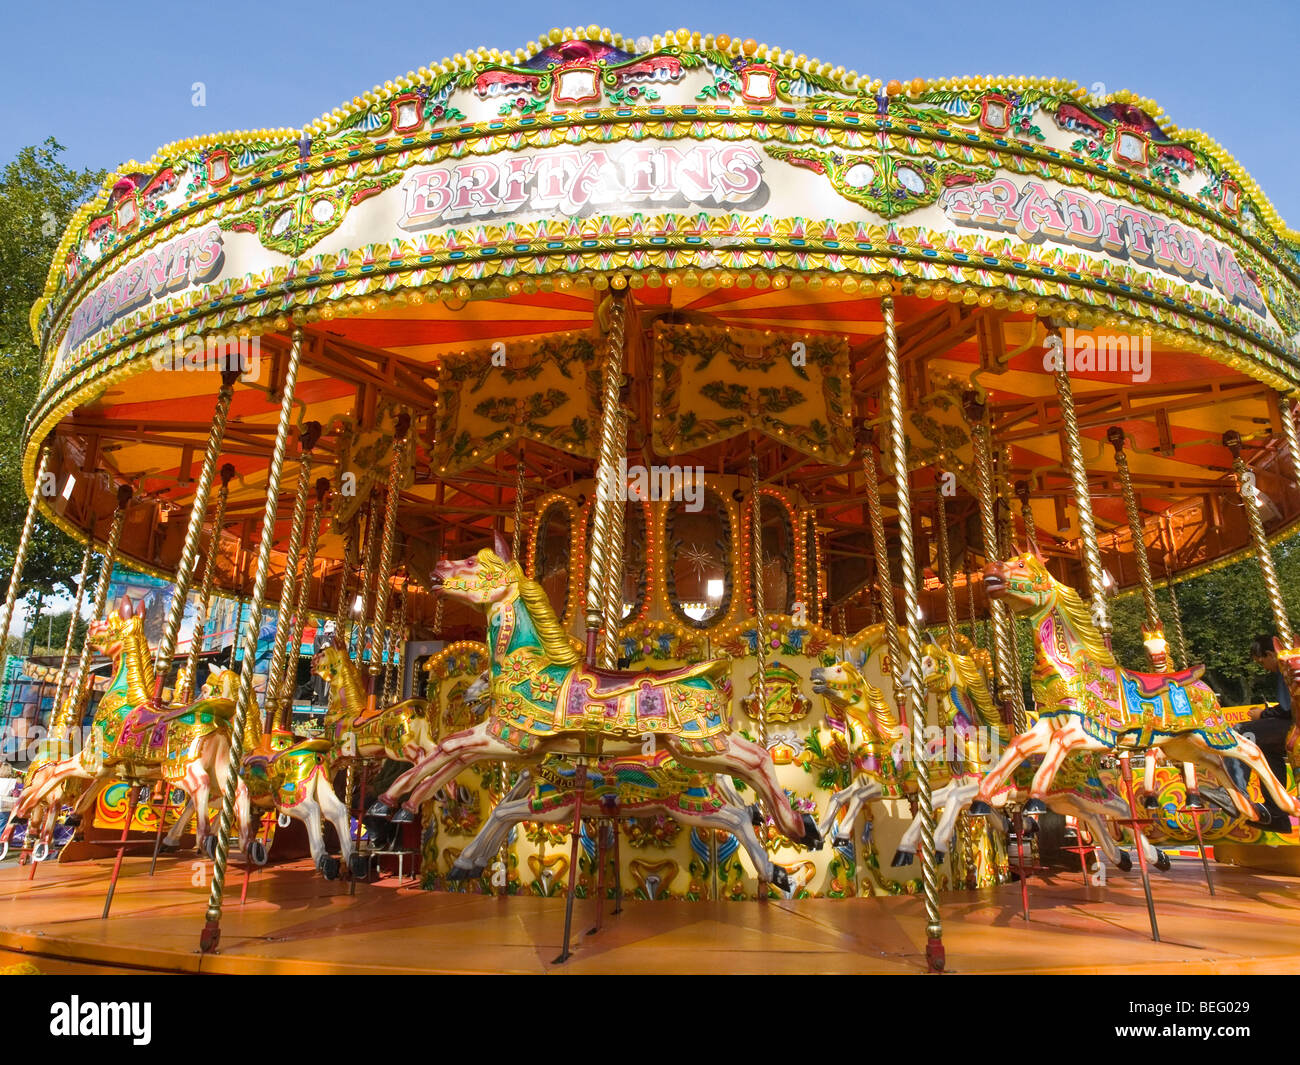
x=1153 y=685
x=276 y=745
x=151 y=717
x=610 y=683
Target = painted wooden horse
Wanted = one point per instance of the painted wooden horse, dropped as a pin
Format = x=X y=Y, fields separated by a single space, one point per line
x=1087 y=702
x=876 y=742
x=633 y=785
x=546 y=701
x=133 y=736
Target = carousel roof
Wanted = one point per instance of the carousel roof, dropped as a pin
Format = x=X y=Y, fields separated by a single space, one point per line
x=446 y=244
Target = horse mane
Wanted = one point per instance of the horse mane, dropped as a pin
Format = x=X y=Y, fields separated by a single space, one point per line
x=1079 y=616
x=554 y=640
x=873 y=708
x=972 y=679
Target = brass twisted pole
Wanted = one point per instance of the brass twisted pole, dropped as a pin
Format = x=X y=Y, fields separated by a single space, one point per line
x=384 y=574
x=915 y=692
x=395 y=655
x=24 y=543
x=1286 y=410
x=302 y=591
x=606 y=469
x=308 y=436
x=72 y=618
x=1004 y=651
x=70 y=713
x=186 y=687
x=350 y=536
x=1027 y=515
x=367 y=576
x=945 y=565
x=1246 y=487
x=760 y=597
x=1149 y=603
x=1181 y=648
x=211 y=934
x=517 y=532
x=1082 y=498
x=193 y=533
x=614 y=563
x=880 y=547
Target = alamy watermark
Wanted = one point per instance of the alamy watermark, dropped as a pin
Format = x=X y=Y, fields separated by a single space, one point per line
x=216 y=351
x=1101 y=353
x=656 y=483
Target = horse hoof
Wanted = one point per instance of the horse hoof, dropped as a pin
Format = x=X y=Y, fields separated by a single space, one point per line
x=379 y=808
x=980 y=809
x=209 y=847
x=329 y=867
x=1162 y=862
x=939 y=856
x=359 y=866
x=812 y=838
x=72 y=820
x=1035 y=806
x=902 y=858
x=257 y=852
x=403 y=817
x=1151 y=802
x=1125 y=862
x=166 y=846
x=755 y=815
x=465 y=872
x=780 y=879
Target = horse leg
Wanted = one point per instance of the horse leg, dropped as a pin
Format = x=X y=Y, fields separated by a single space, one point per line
x=173 y=837
x=736 y=820
x=1248 y=751
x=752 y=762
x=332 y=809
x=828 y=822
x=473 y=860
x=1026 y=745
x=309 y=813
x=456 y=753
x=1063 y=741
x=1186 y=748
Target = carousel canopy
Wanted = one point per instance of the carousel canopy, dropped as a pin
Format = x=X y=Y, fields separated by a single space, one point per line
x=447 y=243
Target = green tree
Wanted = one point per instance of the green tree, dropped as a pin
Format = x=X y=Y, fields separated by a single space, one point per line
x=38 y=195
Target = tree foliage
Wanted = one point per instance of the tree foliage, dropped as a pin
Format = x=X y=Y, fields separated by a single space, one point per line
x=38 y=195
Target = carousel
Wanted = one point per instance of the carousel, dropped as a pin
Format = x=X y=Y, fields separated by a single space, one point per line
x=672 y=443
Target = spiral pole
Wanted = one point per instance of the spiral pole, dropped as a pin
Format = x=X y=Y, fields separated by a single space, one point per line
x=193 y=533
x=1027 y=514
x=614 y=568
x=1246 y=487
x=308 y=436
x=1009 y=693
x=186 y=686
x=880 y=548
x=606 y=469
x=760 y=596
x=945 y=566
x=1150 y=604
x=1286 y=410
x=72 y=618
x=373 y=521
x=1181 y=648
x=517 y=530
x=70 y=712
x=24 y=544
x=302 y=592
x=211 y=935
x=395 y=656
x=1082 y=499
x=384 y=574
x=934 y=951
x=350 y=536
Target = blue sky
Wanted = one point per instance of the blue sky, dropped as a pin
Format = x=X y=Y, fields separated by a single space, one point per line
x=114 y=82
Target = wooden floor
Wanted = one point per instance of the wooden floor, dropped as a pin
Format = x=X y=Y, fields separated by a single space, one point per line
x=294 y=922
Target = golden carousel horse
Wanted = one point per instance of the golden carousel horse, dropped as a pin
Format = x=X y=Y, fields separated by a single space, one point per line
x=134 y=737
x=546 y=701
x=403 y=732
x=1088 y=703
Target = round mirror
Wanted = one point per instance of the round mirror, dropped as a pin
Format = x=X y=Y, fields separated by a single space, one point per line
x=552 y=558
x=699 y=560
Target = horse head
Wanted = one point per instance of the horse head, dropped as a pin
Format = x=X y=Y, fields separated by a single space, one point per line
x=1157 y=648
x=1023 y=583
x=332 y=664
x=109 y=634
x=844 y=687
x=482 y=579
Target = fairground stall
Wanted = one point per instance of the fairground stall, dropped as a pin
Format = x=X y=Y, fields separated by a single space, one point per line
x=669 y=441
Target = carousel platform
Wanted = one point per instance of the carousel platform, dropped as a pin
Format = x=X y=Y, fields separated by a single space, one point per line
x=293 y=922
